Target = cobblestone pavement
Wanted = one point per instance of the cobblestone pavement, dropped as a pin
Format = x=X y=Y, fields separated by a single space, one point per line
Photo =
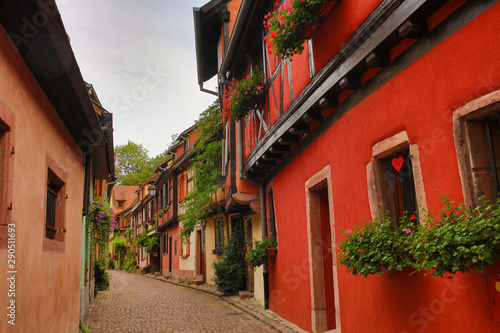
x=136 y=303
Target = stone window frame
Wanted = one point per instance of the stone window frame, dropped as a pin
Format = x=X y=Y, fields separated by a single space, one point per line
x=57 y=244
x=7 y=155
x=381 y=150
x=478 y=107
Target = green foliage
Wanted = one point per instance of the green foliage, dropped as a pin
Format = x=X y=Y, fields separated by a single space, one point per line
x=230 y=272
x=151 y=243
x=461 y=240
x=133 y=165
x=129 y=264
x=82 y=328
x=102 y=279
x=287 y=24
x=100 y=218
x=146 y=270
x=258 y=254
x=378 y=247
x=243 y=95
x=207 y=170
x=119 y=245
x=457 y=240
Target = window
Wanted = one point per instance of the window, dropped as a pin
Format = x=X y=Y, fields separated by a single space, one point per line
x=6 y=171
x=219 y=236
x=120 y=204
x=398 y=184
x=165 y=243
x=175 y=247
x=54 y=225
x=476 y=128
x=271 y=226
x=394 y=178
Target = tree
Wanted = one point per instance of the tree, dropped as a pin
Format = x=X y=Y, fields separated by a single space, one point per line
x=133 y=164
x=207 y=168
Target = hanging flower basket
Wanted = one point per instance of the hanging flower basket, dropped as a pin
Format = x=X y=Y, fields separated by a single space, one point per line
x=292 y=23
x=243 y=95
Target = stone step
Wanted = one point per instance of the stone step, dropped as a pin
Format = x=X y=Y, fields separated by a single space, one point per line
x=198 y=280
x=245 y=294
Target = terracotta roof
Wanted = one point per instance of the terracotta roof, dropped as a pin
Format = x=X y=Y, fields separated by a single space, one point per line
x=124 y=193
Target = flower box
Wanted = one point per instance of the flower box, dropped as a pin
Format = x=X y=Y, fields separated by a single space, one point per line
x=272 y=251
x=292 y=23
x=321 y=15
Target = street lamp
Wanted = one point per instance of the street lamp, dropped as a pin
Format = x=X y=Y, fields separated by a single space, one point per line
x=152 y=190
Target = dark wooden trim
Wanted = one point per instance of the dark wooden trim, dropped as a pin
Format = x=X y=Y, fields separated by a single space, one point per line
x=350 y=82
x=436 y=36
x=312 y=71
x=388 y=16
x=377 y=59
x=290 y=84
x=175 y=198
x=232 y=150
x=414 y=27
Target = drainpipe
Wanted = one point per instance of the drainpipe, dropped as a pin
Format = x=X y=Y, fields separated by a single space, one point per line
x=262 y=209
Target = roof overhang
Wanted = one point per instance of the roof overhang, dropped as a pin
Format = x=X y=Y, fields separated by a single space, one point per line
x=47 y=52
x=207 y=30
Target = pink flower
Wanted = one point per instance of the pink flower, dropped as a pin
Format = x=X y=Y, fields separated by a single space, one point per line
x=408 y=231
x=349 y=231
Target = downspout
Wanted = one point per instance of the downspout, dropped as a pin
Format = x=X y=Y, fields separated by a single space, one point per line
x=263 y=223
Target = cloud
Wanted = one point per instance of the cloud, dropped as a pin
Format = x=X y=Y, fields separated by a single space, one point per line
x=118 y=44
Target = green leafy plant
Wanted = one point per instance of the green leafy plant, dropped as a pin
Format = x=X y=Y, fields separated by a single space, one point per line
x=146 y=270
x=460 y=240
x=258 y=254
x=151 y=243
x=456 y=240
x=82 y=328
x=287 y=24
x=207 y=171
x=243 y=95
x=230 y=271
x=378 y=247
x=102 y=279
x=100 y=217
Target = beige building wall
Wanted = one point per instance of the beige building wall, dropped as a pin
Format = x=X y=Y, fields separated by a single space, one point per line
x=47 y=282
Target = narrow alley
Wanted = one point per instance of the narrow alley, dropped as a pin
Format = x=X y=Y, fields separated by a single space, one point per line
x=137 y=303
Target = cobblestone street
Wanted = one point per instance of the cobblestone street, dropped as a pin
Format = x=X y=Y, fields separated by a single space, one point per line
x=136 y=303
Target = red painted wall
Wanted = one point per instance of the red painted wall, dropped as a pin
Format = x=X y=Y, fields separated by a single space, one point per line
x=420 y=101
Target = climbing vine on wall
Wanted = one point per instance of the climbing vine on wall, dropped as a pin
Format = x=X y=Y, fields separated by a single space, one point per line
x=206 y=165
x=100 y=222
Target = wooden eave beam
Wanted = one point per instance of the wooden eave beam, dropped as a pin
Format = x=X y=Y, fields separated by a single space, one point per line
x=350 y=82
x=289 y=140
x=414 y=28
x=377 y=59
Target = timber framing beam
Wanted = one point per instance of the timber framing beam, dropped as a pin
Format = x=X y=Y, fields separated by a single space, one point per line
x=380 y=30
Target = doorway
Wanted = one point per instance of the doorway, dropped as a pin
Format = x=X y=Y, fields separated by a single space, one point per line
x=325 y=313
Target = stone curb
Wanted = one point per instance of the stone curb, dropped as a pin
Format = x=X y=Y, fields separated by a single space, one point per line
x=266 y=320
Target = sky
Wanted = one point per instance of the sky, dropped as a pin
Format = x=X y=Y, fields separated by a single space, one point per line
x=140 y=58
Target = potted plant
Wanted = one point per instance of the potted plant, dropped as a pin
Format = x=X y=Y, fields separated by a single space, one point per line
x=378 y=246
x=243 y=95
x=256 y=256
x=460 y=239
x=292 y=23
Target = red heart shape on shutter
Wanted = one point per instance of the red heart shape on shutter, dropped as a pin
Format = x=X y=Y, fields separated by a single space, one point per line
x=397 y=162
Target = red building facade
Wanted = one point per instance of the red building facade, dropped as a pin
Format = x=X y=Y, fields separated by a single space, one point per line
x=378 y=80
